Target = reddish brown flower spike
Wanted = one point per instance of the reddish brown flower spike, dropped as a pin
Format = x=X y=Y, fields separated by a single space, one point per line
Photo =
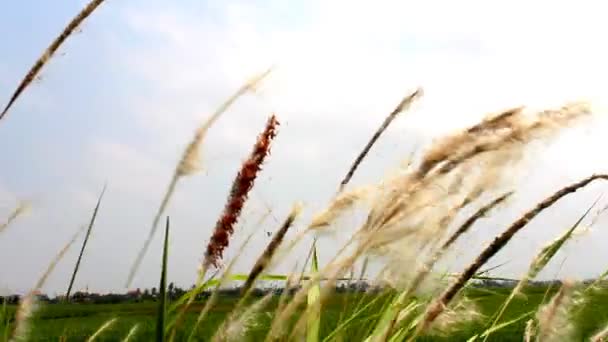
x=241 y=186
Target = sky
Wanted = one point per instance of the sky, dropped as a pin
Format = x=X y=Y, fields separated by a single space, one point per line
x=122 y=97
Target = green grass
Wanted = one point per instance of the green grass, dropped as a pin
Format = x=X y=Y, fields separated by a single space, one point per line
x=78 y=321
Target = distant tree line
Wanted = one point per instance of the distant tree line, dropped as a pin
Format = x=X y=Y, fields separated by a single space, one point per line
x=174 y=292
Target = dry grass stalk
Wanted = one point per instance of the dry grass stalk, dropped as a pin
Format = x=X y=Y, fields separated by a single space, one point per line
x=499 y=242
x=189 y=163
x=27 y=305
x=19 y=210
x=238 y=194
x=402 y=106
x=48 y=53
x=264 y=259
x=466 y=225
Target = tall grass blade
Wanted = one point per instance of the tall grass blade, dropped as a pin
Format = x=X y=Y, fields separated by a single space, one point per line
x=162 y=300
x=84 y=244
x=314 y=300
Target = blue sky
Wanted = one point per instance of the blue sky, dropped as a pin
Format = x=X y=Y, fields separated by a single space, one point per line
x=121 y=99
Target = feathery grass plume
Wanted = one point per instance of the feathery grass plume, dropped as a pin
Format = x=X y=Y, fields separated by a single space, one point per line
x=162 y=288
x=546 y=123
x=539 y=262
x=131 y=332
x=84 y=243
x=27 y=306
x=235 y=328
x=266 y=257
x=464 y=312
x=238 y=195
x=499 y=242
x=48 y=53
x=443 y=149
x=554 y=323
x=19 y=210
x=189 y=163
x=342 y=202
x=422 y=273
x=402 y=106
x=600 y=336
x=102 y=328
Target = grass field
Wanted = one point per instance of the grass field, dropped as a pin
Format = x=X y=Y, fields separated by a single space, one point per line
x=412 y=219
x=76 y=322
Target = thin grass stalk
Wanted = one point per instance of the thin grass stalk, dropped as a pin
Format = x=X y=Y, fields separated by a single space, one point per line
x=84 y=243
x=162 y=288
x=402 y=106
x=268 y=253
x=499 y=242
x=101 y=329
x=131 y=333
x=27 y=305
x=50 y=51
x=188 y=164
x=19 y=210
x=539 y=263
